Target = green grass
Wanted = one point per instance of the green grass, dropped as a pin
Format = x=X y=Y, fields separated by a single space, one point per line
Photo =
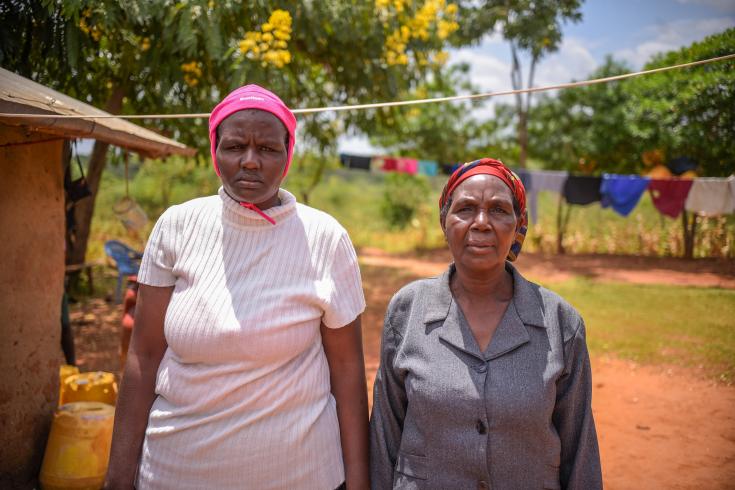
x=657 y=324
x=355 y=198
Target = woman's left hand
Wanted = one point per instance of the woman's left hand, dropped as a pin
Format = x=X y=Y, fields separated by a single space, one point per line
x=343 y=348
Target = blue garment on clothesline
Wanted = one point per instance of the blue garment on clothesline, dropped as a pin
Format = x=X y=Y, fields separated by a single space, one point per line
x=428 y=167
x=622 y=192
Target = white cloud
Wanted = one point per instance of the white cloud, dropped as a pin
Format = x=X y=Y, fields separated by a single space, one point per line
x=671 y=36
x=722 y=5
x=490 y=73
x=573 y=61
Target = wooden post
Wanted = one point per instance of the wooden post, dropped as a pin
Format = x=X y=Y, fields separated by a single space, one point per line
x=561 y=225
x=689 y=229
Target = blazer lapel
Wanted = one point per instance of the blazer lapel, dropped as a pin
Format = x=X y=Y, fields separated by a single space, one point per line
x=445 y=310
x=526 y=309
x=510 y=334
x=457 y=333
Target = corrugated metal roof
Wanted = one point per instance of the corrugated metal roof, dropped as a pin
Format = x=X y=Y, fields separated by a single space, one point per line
x=21 y=95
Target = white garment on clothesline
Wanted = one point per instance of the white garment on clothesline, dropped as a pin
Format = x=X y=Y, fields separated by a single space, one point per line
x=712 y=196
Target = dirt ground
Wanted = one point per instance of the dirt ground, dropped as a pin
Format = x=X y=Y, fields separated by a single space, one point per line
x=659 y=426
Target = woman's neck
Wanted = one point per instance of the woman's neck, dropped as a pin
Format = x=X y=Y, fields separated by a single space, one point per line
x=496 y=283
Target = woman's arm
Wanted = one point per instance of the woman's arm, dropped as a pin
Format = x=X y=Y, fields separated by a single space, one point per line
x=572 y=417
x=389 y=412
x=138 y=385
x=343 y=348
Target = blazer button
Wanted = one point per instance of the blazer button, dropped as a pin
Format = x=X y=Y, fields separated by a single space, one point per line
x=480 y=426
x=481 y=368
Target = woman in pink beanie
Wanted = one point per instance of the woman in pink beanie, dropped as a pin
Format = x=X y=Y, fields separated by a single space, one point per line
x=245 y=369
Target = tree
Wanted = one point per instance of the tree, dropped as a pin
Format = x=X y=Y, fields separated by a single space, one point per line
x=689 y=112
x=531 y=27
x=585 y=129
x=149 y=57
x=534 y=27
x=609 y=127
x=445 y=132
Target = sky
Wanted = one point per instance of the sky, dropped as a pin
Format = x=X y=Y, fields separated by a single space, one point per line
x=629 y=30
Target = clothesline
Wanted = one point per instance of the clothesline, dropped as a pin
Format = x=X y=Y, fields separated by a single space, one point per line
x=376 y=105
x=705 y=196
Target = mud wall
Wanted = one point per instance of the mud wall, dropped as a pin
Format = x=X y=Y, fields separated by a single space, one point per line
x=31 y=285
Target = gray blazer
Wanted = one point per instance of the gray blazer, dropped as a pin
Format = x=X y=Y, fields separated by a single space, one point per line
x=516 y=416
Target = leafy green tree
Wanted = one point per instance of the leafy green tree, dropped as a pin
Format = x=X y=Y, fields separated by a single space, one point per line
x=403 y=197
x=689 y=112
x=181 y=57
x=445 y=132
x=608 y=127
x=585 y=129
x=532 y=28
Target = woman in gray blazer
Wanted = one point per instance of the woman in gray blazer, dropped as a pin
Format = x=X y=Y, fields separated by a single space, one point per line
x=484 y=379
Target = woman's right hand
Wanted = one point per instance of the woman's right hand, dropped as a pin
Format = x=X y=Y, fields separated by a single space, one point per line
x=137 y=390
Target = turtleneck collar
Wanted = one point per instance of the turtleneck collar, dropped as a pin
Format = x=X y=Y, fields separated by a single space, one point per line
x=237 y=214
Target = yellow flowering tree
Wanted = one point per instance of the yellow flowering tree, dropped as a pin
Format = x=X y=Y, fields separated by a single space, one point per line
x=269 y=43
x=419 y=28
x=143 y=57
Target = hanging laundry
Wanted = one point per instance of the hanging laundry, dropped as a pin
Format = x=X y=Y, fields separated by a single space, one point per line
x=525 y=176
x=622 y=192
x=449 y=168
x=376 y=164
x=428 y=167
x=355 y=161
x=549 y=180
x=544 y=180
x=679 y=165
x=400 y=164
x=711 y=196
x=390 y=164
x=408 y=166
x=582 y=189
x=670 y=195
x=527 y=181
x=446 y=168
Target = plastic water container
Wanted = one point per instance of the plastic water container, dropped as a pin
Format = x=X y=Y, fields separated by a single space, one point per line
x=97 y=386
x=78 y=447
x=65 y=371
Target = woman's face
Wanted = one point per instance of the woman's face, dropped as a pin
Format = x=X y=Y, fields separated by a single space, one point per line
x=251 y=156
x=480 y=225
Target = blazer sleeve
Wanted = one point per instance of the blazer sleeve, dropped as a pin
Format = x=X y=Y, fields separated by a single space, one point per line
x=389 y=411
x=572 y=417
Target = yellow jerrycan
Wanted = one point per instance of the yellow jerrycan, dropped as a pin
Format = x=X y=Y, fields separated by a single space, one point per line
x=78 y=447
x=97 y=386
x=65 y=371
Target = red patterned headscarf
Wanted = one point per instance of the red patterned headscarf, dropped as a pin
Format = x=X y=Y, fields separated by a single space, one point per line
x=490 y=166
